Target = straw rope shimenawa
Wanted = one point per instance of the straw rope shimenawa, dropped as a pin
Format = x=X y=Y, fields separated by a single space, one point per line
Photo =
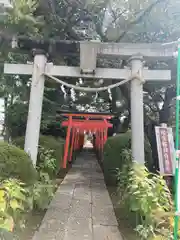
x=89 y=89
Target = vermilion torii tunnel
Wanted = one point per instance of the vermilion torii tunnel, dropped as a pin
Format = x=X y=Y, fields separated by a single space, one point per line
x=78 y=124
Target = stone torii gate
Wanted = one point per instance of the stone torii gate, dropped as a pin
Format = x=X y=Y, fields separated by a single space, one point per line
x=89 y=51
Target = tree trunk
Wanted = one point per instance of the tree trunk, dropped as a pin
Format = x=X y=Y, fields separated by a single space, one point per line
x=164 y=115
x=150 y=133
x=7 y=134
x=165 y=112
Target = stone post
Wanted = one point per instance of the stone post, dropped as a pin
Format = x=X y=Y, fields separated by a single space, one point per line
x=35 y=105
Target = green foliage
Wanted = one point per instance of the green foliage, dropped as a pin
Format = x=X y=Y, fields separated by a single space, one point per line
x=46 y=143
x=15 y=163
x=17 y=119
x=20 y=17
x=147 y=196
x=113 y=158
x=16 y=198
x=47 y=162
x=43 y=191
x=57 y=145
x=14 y=202
x=49 y=155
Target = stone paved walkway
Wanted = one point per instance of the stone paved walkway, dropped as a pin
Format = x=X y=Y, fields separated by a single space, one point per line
x=81 y=208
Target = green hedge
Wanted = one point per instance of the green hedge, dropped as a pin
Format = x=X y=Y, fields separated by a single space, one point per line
x=47 y=142
x=112 y=155
x=14 y=162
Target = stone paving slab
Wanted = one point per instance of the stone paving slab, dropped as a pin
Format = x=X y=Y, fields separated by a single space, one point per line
x=81 y=208
x=106 y=233
x=104 y=215
x=54 y=223
x=83 y=192
x=79 y=229
x=61 y=201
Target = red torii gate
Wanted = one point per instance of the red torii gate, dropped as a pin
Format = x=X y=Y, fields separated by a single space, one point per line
x=78 y=127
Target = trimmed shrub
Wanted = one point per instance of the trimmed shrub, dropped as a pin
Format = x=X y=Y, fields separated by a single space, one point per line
x=15 y=163
x=48 y=143
x=113 y=155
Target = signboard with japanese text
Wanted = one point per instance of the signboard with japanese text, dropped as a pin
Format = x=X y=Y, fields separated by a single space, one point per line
x=166 y=151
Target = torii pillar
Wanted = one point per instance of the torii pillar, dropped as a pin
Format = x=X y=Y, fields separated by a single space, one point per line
x=35 y=105
x=137 y=110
